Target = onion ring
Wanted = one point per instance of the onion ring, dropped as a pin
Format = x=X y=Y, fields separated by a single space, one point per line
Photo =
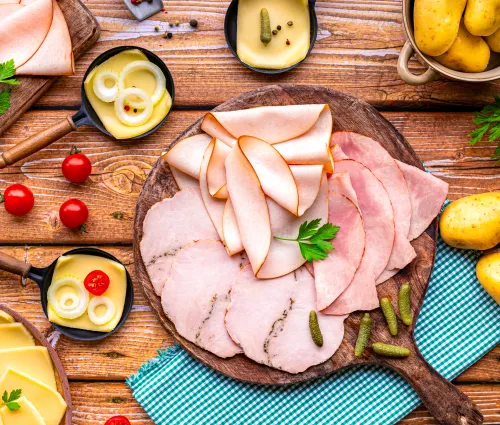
x=110 y=310
x=106 y=94
x=133 y=120
x=161 y=82
x=65 y=311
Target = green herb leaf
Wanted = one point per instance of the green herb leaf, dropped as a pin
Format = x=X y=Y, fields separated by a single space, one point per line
x=314 y=241
x=7 y=71
x=488 y=124
x=4 y=100
x=9 y=401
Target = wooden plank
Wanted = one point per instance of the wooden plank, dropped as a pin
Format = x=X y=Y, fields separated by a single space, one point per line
x=120 y=168
x=122 y=354
x=356 y=52
x=94 y=403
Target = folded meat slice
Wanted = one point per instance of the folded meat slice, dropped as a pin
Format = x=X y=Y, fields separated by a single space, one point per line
x=183 y=180
x=196 y=295
x=373 y=155
x=284 y=256
x=378 y=219
x=232 y=237
x=308 y=181
x=216 y=170
x=334 y=274
x=427 y=196
x=340 y=183
x=9 y=8
x=187 y=155
x=170 y=225
x=269 y=320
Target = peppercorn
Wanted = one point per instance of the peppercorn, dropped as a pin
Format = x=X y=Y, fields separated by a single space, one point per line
x=279 y=27
x=135 y=111
x=289 y=23
x=177 y=23
x=287 y=42
x=275 y=32
x=169 y=35
x=171 y=25
x=193 y=23
x=157 y=29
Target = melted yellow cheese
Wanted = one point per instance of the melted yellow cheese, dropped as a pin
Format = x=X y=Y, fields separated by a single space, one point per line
x=142 y=79
x=277 y=54
x=32 y=361
x=5 y=318
x=48 y=402
x=27 y=414
x=80 y=266
x=14 y=335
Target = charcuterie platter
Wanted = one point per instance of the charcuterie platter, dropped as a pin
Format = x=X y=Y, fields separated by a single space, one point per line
x=444 y=401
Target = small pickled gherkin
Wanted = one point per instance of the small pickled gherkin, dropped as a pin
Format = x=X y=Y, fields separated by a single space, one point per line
x=390 y=315
x=404 y=303
x=316 y=334
x=388 y=350
x=365 y=330
x=265 y=27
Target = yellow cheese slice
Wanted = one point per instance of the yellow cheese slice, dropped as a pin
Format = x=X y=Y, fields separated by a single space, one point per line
x=14 y=335
x=6 y=318
x=25 y=415
x=80 y=266
x=33 y=361
x=48 y=402
x=277 y=54
x=141 y=79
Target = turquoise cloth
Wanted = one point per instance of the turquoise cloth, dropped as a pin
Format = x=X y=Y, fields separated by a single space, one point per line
x=458 y=324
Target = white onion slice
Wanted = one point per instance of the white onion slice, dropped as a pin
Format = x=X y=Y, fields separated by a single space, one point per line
x=80 y=298
x=106 y=317
x=137 y=119
x=106 y=94
x=161 y=82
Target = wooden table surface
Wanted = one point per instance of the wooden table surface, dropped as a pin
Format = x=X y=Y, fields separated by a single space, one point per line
x=356 y=52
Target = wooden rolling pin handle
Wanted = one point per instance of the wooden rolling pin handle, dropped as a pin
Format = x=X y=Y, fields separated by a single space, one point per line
x=37 y=142
x=13 y=265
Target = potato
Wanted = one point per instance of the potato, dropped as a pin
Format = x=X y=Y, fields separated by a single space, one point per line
x=472 y=222
x=468 y=53
x=436 y=24
x=494 y=41
x=482 y=17
x=488 y=274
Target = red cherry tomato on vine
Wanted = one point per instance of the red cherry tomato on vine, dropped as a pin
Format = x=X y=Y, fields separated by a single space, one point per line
x=97 y=282
x=73 y=213
x=76 y=167
x=117 y=420
x=18 y=199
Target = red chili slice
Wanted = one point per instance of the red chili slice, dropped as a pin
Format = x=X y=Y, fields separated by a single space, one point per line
x=97 y=282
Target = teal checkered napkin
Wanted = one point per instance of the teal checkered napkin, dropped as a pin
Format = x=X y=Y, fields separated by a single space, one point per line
x=458 y=324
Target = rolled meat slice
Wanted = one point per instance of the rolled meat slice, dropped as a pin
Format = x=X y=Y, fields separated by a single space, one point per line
x=232 y=237
x=216 y=170
x=427 y=196
x=269 y=320
x=196 y=295
x=169 y=226
x=187 y=155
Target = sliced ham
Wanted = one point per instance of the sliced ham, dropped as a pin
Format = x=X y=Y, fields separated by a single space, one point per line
x=269 y=319
x=427 y=196
x=334 y=274
x=378 y=219
x=284 y=256
x=170 y=225
x=196 y=295
x=372 y=155
x=183 y=180
x=187 y=154
x=308 y=181
x=274 y=124
x=216 y=170
x=340 y=183
x=7 y=9
x=2 y=2
x=232 y=237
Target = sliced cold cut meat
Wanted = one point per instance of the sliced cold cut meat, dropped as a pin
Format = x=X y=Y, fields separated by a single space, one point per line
x=308 y=181
x=196 y=295
x=187 y=155
x=170 y=225
x=232 y=237
x=334 y=274
x=269 y=319
x=340 y=183
x=183 y=180
x=427 y=196
x=216 y=170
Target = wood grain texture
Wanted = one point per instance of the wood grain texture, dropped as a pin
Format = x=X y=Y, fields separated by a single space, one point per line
x=356 y=52
x=84 y=32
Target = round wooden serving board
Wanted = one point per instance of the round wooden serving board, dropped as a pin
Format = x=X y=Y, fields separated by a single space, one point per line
x=444 y=401
x=61 y=378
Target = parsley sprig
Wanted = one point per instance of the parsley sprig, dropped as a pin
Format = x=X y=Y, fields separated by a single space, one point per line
x=314 y=240
x=7 y=71
x=488 y=121
x=10 y=400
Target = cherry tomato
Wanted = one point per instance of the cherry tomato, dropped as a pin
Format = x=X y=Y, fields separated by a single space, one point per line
x=97 y=282
x=76 y=167
x=18 y=199
x=117 y=420
x=73 y=213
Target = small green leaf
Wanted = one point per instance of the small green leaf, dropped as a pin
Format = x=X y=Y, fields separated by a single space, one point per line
x=4 y=100
x=488 y=125
x=13 y=406
x=9 y=400
x=7 y=70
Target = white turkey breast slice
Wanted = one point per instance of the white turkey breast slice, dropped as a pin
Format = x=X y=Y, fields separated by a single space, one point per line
x=183 y=180
x=187 y=154
x=170 y=225
x=196 y=295
x=269 y=319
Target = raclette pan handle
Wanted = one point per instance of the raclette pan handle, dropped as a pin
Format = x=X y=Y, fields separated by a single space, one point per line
x=37 y=142
x=13 y=265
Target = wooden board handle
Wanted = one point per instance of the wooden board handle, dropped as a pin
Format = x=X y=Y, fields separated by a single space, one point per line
x=13 y=265
x=445 y=402
x=37 y=142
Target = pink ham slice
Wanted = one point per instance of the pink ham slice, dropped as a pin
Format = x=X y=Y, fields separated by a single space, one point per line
x=334 y=274
x=196 y=295
x=427 y=195
x=169 y=226
x=340 y=183
x=373 y=156
x=269 y=319
x=187 y=154
x=183 y=180
x=378 y=218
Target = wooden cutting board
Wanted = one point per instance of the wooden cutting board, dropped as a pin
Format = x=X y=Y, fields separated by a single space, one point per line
x=444 y=401
x=84 y=31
